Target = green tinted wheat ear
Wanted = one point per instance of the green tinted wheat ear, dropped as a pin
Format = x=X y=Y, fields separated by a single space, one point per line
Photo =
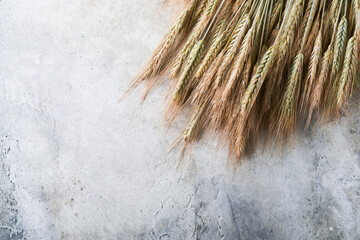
x=240 y=61
x=182 y=56
x=195 y=58
x=228 y=65
x=291 y=94
x=233 y=46
x=257 y=80
x=287 y=35
x=193 y=126
x=212 y=6
x=289 y=106
x=348 y=72
x=339 y=50
x=217 y=43
x=339 y=47
x=193 y=38
x=210 y=55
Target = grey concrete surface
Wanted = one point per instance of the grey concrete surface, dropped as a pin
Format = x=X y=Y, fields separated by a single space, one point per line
x=77 y=164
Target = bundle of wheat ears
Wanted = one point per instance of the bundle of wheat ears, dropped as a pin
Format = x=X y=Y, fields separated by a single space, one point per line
x=254 y=70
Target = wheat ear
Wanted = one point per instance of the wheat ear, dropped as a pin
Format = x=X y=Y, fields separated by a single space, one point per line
x=339 y=47
x=193 y=126
x=313 y=69
x=287 y=34
x=291 y=94
x=195 y=58
x=257 y=80
x=194 y=36
x=317 y=94
x=348 y=72
x=233 y=46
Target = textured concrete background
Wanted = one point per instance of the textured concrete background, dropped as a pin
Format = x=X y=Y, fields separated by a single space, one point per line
x=76 y=164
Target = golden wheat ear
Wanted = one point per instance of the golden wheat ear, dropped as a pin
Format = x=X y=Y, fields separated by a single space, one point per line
x=249 y=67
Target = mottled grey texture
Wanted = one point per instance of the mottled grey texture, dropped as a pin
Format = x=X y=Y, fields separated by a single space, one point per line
x=77 y=164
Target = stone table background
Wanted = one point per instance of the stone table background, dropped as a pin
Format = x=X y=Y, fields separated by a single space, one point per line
x=77 y=164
